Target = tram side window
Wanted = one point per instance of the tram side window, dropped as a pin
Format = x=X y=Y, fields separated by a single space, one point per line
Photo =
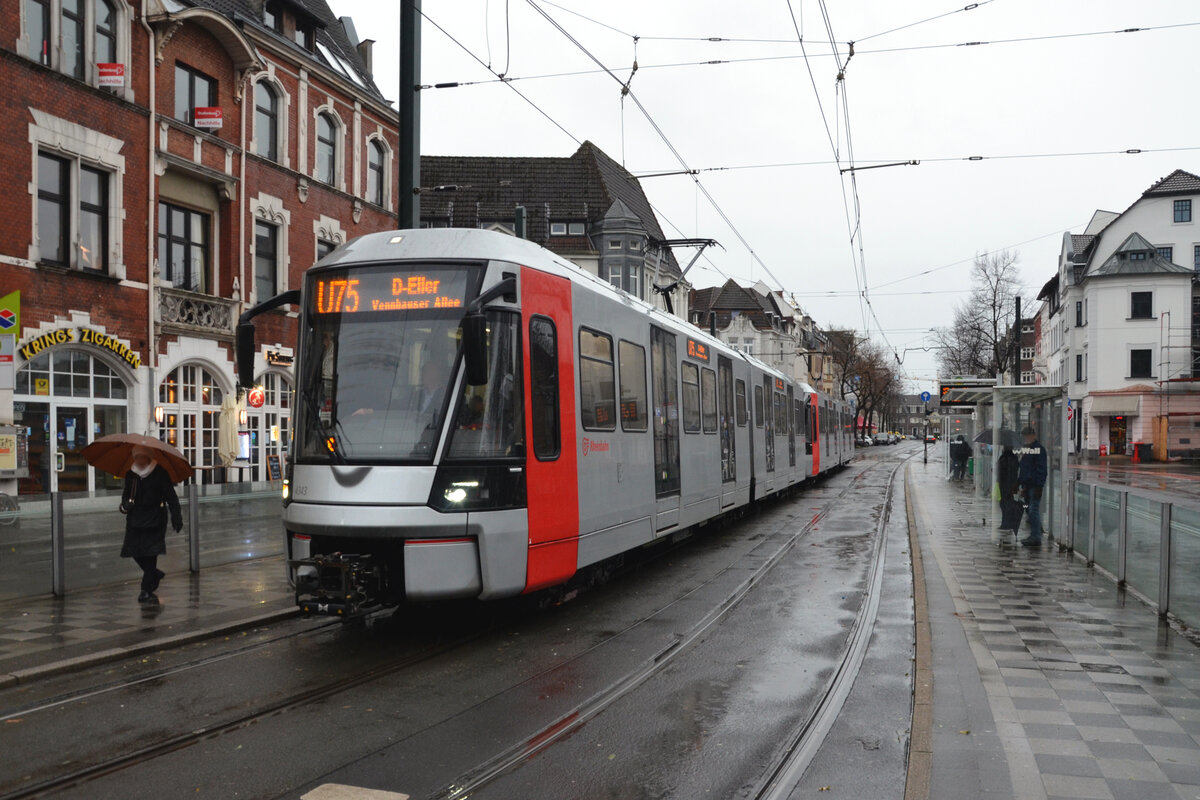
x=740 y=395
x=708 y=399
x=632 y=360
x=597 y=396
x=543 y=384
x=758 y=407
x=691 y=398
x=780 y=422
x=798 y=416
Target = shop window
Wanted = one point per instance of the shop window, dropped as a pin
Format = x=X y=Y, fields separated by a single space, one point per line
x=191 y=399
x=183 y=247
x=266 y=121
x=193 y=89
x=69 y=373
x=72 y=213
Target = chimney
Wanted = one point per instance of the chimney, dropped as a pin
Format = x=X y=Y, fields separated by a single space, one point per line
x=364 y=52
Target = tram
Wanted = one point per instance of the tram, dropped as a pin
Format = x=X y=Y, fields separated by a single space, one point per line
x=477 y=417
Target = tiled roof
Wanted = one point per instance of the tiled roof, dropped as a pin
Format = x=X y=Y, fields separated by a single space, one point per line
x=329 y=33
x=1081 y=247
x=730 y=299
x=1178 y=182
x=1120 y=262
x=464 y=191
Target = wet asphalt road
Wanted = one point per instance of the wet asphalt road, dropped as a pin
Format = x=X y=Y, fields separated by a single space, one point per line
x=726 y=675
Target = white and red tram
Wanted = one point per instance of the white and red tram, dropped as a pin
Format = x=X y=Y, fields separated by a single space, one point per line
x=477 y=417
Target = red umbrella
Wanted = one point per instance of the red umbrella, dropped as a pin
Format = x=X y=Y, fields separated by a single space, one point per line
x=114 y=454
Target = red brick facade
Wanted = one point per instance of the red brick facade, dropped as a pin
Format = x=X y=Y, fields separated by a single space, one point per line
x=66 y=133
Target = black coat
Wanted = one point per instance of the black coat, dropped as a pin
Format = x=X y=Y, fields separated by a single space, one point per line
x=145 y=515
x=1007 y=468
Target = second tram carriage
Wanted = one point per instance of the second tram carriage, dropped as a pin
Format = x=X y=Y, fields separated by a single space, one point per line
x=477 y=417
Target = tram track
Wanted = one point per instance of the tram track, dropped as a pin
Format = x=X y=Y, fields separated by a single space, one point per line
x=474 y=779
x=793 y=758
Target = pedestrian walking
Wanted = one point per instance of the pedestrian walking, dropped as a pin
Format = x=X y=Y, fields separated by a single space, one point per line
x=1031 y=474
x=148 y=496
x=1008 y=468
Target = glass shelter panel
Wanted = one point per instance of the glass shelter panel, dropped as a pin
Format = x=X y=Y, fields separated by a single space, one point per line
x=1143 y=552
x=1185 y=564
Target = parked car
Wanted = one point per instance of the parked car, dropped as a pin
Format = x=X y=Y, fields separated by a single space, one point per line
x=930 y=438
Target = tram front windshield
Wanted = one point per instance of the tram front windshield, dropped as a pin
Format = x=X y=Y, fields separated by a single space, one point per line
x=380 y=362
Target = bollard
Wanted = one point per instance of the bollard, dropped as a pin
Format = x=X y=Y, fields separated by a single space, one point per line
x=193 y=528
x=58 y=549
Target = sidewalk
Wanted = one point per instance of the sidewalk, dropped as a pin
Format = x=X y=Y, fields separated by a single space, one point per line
x=1048 y=682
x=47 y=635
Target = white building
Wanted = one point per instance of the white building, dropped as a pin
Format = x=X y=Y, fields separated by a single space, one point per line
x=1118 y=323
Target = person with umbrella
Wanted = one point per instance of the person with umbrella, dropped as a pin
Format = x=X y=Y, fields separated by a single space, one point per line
x=151 y=468
x=147 y=496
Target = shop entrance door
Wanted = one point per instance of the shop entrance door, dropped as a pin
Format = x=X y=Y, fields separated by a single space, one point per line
x=1116 y=436
x=70 y=437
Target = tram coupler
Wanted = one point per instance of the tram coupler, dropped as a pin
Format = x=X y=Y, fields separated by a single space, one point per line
x=338 y=584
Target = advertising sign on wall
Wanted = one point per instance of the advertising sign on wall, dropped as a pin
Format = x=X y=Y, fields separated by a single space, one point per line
x=110 y=75
x=207 y=117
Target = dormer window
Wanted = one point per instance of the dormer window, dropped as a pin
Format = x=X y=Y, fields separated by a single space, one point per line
x=272 y=18
x=304 y=35
x=1138 y=255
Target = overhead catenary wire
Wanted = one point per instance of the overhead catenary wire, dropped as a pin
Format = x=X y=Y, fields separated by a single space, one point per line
x=480 y=61
x=804 y=56
x=626 y=91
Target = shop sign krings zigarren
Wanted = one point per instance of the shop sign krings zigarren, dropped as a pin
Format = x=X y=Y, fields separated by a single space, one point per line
x=35 y=346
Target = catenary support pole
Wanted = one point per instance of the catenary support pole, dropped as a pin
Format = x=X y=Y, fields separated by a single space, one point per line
x=409 y=161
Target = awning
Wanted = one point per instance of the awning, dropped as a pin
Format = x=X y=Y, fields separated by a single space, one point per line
x=1116 y=405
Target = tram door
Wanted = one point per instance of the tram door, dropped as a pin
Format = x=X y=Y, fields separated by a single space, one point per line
x=791 y=427
x=552 y=466
x=70 y=437
x=728 y=432
x=664 y=374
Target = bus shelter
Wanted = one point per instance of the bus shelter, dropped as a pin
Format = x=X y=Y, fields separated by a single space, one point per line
x=1000 y=414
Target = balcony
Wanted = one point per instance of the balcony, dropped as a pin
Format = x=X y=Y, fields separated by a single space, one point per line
x=192 y=313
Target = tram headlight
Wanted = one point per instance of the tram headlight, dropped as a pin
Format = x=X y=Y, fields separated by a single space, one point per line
x=478 y=488
x=460 y=490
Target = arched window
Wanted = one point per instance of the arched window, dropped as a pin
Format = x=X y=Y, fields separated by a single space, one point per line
x=64 y=398
x=375 y=159
x=106 y=33
x=326 y=148
x=266 y=121
x=191 y=399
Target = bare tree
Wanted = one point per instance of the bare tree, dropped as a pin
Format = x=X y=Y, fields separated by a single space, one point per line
x=977 y=342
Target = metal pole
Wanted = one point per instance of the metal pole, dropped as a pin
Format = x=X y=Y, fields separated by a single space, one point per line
x=925 y=440
x=409 y=161
x=58 y=549
x=193 y=528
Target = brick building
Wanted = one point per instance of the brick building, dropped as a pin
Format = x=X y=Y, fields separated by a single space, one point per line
x=168 y=164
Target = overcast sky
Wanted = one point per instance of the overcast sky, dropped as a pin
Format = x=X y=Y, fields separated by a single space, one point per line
x=913 y=93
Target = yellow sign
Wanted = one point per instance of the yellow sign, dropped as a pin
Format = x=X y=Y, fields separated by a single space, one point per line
x=8 y=451
x=41 y=386
x=95 y=338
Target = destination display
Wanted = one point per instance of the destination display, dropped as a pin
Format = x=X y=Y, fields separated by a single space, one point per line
x=380 y=290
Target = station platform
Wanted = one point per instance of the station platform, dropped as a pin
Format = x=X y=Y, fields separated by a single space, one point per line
x=1047 y=681
x=1035 y=676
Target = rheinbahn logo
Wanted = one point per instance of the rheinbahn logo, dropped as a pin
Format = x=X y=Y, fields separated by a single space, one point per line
x=7 y=319
x=594 y=446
